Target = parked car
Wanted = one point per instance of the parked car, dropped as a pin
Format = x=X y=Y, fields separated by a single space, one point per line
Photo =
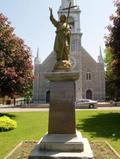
x=86 y=103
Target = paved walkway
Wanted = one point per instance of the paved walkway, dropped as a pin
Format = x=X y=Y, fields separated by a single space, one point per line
x=23 y=109
x=46 y=109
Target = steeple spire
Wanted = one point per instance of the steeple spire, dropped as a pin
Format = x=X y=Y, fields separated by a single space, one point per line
x=38 y=52
x=100 y=57
x=37 y=58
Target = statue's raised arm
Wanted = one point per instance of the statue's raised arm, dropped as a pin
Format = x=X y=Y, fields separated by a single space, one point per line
x=50 y=9
x=53 y=20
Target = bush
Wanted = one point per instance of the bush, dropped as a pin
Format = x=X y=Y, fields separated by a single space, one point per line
x=7 y=124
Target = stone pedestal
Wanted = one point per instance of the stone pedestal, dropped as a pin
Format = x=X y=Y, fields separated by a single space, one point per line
x=62 y=140
x=62 y=99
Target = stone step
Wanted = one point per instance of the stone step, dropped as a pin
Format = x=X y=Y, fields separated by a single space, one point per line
x=62 y=142
x=41 y=154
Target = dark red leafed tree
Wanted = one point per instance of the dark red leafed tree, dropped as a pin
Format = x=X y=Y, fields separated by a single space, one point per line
x=113 y=43
x=15 y=62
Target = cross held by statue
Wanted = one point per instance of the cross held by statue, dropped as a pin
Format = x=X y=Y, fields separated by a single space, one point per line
x=70 y=7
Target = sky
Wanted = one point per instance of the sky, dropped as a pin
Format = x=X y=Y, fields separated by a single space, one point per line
x=30 y=18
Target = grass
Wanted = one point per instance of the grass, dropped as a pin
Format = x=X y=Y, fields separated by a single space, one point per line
x=100 y=125
x=95 y=125
x=30 y=126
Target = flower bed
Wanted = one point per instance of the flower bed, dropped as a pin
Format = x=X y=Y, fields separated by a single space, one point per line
x=101 y=150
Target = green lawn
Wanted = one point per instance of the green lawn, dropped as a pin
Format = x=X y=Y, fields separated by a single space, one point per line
x=95 y=125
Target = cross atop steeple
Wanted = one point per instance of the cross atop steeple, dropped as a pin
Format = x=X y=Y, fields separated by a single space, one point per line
x=65 y=3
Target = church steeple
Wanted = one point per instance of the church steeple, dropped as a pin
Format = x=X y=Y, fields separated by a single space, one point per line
x=74 y=19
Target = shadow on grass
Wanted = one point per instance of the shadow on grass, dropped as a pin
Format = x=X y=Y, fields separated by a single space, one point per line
x=102 y=125
x=12 y=116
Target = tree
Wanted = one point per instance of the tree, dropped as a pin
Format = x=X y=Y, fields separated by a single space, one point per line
x=109 y=76
x=113 y=44
x=15 y=62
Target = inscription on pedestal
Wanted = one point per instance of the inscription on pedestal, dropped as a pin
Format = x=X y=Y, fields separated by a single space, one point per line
x=62 y=109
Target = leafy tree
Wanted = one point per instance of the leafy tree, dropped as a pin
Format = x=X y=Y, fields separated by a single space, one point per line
x=113 y=44
x=15 y=62
x=109 y=76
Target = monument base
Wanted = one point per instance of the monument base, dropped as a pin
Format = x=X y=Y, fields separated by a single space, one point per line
x=62 y=141
x=62 y=146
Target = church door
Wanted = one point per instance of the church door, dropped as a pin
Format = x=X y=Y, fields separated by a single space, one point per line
x=89 y=94
x=48 y=96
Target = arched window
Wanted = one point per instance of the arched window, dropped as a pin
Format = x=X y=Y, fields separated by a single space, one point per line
x=89 y=94
x=48 y=96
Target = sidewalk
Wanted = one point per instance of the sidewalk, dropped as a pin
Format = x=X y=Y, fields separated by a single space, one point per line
x=4 y=110
x=13 y=109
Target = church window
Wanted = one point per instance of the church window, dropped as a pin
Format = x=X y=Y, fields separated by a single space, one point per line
x=73 y=46
x=71 y=23
x=88 y=76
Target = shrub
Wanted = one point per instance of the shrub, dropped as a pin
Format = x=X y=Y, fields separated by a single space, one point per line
x=7 y=124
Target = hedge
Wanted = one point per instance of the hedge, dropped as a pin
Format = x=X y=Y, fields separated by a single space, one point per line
x=7 y=124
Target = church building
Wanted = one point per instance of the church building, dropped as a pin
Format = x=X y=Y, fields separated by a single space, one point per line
x=91 y=84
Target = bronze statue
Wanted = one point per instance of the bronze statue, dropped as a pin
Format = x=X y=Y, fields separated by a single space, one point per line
x=62 y=41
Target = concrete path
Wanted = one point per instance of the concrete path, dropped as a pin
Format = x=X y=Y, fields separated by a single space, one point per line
x=22 y=109
x=46 y=109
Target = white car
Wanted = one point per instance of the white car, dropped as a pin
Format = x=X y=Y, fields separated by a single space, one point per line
x=86 y=103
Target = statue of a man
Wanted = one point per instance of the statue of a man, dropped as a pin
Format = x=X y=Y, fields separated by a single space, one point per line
x=62 y=39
